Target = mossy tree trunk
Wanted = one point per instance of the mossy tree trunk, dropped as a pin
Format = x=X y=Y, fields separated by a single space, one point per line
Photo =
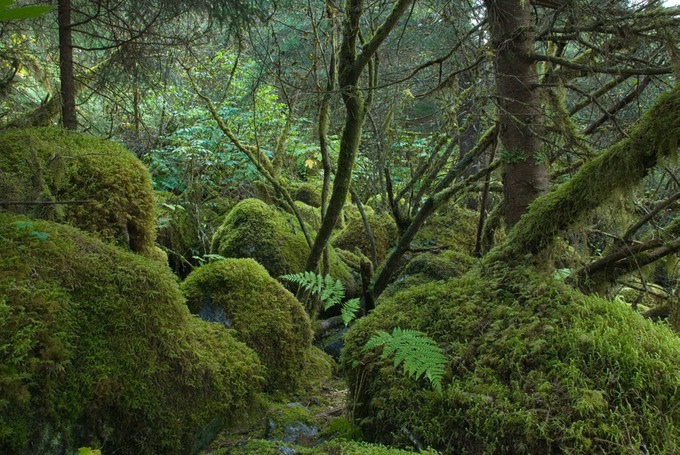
x=525 y=176
x=351 y=65
x=614 y=171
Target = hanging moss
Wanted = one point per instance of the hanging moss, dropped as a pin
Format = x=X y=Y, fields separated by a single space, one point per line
x=273 y=238
x=99 y=350
x=47 y=164
x=535 y=367
x=353 y=237
x=269 y=319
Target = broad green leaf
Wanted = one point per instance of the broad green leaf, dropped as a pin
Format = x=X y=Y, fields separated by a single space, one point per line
x=26 y=12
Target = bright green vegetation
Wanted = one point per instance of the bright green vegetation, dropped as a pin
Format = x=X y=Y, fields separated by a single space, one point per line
x=271 y=237
x=264 y=315
x=98 y=349
x=534 y=367
x=47 y=164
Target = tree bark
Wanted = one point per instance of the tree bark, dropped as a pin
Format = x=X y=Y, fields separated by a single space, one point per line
x=350 y=65
x=525 y=176
x=613 y=171
x=66 y=76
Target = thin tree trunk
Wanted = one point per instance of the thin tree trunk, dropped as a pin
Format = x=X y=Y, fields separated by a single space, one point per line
x=351 y=65
x=68 y=88
x=525 y=176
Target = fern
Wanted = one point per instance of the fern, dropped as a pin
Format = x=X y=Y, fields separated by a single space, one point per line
x=418 y=353
x=329 y=290
x=349 y=310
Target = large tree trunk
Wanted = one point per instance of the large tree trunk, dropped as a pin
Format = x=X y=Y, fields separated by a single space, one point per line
x=68 y=88
x=525 y=176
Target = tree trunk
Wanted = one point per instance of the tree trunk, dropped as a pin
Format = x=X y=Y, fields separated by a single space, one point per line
x=525 y=176
x=350 y=66
x=68 y=90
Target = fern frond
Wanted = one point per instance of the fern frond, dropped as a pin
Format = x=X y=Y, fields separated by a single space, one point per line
x=419 y=354
x=349 y=310
x=333 y=292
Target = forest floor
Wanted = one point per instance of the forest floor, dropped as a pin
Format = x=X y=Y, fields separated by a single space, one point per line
x=307 y=422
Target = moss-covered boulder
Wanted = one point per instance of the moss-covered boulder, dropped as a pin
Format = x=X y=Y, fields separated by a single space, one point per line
x=309 y=193
x=535 y=367
x=98 y=349
x=264 y=315
x=53 y=165
x=353 y=237
x=452 y=227
x=430 y=266
x=253 y=229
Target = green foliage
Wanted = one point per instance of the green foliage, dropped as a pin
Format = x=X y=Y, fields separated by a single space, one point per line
x=328 y=290
x=533 y=367
x=26 y=12
x=98 y=349
x=354 y=237
x=418 y=353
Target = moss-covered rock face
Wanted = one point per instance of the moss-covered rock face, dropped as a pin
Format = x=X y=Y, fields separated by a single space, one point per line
x=354 y=238
x=535 y=368
x=46 y=164
x=99 y=350
x=241 y=294
x=252 y=229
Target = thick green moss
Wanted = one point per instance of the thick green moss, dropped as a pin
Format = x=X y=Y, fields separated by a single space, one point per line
x=98 y=349
x=535 y=368
x=264 y=315
x=273 y=238
x=49 y=164
x=354 y=238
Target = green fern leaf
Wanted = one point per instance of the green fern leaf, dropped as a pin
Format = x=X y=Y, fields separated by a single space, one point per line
x=419 y=354
x=349 y=310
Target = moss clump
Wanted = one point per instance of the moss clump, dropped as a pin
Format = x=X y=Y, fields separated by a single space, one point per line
x=310 y=214
x=264 y=315
x=354 y=238
x=47 y=164
x=440 y=266
x=99 y=350
x=252 y=229
x=535 y=367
